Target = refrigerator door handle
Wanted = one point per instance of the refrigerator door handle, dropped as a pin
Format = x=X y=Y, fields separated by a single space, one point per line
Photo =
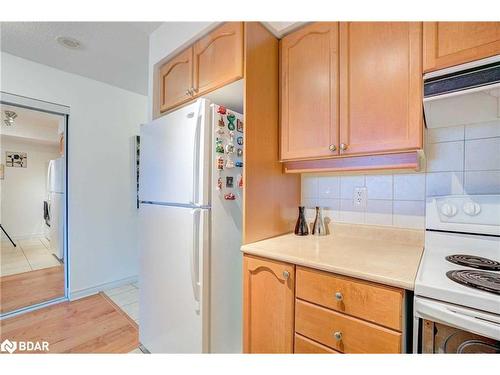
x=196 y=161
x=195 y=258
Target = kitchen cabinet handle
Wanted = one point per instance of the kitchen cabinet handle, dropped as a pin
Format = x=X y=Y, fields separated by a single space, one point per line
x=333 y=148
x=337 y=335
x=188 y=92
x=343 y=146
x=339 y=296
x=286 y=275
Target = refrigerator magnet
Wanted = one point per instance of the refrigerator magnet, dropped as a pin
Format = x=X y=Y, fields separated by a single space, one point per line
x=230 y=118
x=239 y=164
x=222 y=110
x=229 y=163
x=220 y=163
x=239 y=140
x=229 y=197
x=221 y=122
x=239 y=152
x=229 y=149
x=229 y=182
x=218 y=146
x=239 y=181
x=219 y=183
x=239 y=125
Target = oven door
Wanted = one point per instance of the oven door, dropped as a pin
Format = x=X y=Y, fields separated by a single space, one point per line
x=446 y=328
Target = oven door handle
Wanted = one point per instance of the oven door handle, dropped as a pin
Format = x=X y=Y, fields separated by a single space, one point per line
x=476 y=322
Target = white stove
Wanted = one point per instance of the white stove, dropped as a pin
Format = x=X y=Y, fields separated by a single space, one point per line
x=457 y=289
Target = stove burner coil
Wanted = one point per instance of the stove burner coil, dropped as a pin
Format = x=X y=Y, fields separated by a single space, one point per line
x=474 y=262
x=487 y=281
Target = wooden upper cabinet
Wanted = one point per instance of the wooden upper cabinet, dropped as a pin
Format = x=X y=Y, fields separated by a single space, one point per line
x=176 y=79
x=380 y=87
x=452 y=43
x=268 y=306
x=218 y=57
x=309 y=92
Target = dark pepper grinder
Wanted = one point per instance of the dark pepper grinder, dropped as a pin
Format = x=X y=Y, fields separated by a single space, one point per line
x=301 y=228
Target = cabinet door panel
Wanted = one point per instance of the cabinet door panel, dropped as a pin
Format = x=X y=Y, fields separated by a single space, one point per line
x=452 y=43
x=309 y=92
x=268 y=306
x=218 y=57
x=176 y=78
x=381 y=87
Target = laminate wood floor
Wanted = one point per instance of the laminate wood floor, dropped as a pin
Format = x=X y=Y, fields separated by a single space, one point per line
x=28 y=288
x=89 y=325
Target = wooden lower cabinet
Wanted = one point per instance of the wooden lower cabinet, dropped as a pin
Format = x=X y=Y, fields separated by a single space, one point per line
x=303 y=345
x=342 y=332
x=268 y=305
x=294 y=309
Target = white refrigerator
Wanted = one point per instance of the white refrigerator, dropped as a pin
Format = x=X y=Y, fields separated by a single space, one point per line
x=55 y=201
x=190 y=231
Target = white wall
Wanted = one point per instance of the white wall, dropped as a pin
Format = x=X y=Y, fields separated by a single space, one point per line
x=24 y=189
x=460 y=160
x=102 y=207
x=167 y=40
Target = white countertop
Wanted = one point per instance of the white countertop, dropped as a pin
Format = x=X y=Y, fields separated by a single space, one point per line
x=389 y=256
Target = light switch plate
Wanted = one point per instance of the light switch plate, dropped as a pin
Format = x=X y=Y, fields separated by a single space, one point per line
x=360 y=196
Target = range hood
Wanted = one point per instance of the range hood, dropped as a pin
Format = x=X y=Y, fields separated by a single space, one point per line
x=464 y=94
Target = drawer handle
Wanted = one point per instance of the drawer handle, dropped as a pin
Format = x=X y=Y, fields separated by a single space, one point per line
x=339 y=296
x=337 y=335
x=286 y=275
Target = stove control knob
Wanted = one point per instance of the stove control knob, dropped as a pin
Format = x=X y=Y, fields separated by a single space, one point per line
x=448 y=210
x=472 y=208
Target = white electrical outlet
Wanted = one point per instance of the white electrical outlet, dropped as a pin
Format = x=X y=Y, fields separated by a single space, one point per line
x=360 y=194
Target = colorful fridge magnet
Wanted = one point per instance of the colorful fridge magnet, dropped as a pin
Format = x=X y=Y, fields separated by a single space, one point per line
x=222 y=110
x=239 y=181
x=229 y=182
x=229 y=197
x=229 y=163
x=239 y=125
x=221 y=122
x=229 y=149
x=220 y=163
x=218 y=146
x=230 y=118
x=239 y=152
x=219 y=183
x=231 y=136
x=220 y=131
x=239 y=164
x=240 y=141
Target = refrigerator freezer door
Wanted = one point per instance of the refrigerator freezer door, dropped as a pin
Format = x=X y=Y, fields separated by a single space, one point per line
x=174 y=157
x=173 y=314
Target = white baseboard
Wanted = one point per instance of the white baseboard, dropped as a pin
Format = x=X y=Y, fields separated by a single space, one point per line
x=77 y=294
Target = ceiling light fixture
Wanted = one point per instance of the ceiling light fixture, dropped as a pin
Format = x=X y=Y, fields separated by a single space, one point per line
x=9 y=118
x=68 y=42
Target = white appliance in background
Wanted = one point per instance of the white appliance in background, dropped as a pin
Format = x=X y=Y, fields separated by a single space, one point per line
x=55 y=202
x=463 y=94
x=190 y=234
x=457 y=289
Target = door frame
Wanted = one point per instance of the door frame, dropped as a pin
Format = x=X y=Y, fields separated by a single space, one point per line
x=64 y=111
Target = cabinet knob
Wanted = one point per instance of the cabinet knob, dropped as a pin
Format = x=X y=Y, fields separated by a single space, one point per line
x=343 y=146
x=337 y=335
x=286 y=275
x=333 y=148
x=188 y=92
x=339 y=296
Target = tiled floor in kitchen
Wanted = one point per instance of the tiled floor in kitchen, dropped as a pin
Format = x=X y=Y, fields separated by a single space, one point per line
x=127 y=299
x=28 y=255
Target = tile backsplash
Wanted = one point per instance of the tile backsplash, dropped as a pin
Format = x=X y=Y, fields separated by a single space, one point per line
x=459 y=160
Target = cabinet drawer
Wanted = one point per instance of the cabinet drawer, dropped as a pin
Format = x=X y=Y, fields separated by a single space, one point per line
x=373 y=302
x=356 y=336
x=303 y=345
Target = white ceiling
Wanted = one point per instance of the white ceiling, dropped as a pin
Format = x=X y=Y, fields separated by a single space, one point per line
x=112 y=52
x=31 y=125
